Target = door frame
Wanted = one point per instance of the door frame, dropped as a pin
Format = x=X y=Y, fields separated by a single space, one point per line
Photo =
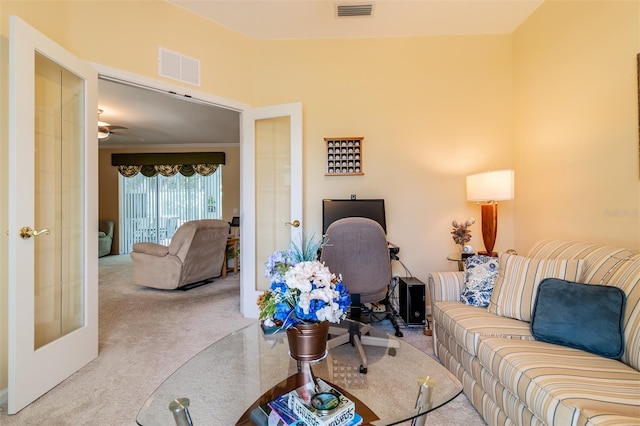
x=158 y=85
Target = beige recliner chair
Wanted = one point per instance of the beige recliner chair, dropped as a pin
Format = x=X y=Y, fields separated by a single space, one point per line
x=194 y=256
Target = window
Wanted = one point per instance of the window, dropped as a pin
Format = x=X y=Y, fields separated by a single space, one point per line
x=152 y=208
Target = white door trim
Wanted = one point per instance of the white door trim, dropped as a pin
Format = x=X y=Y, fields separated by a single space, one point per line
x=248 y=292
x=153 y=84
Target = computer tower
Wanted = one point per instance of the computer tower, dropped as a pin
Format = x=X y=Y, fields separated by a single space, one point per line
x=412 y=301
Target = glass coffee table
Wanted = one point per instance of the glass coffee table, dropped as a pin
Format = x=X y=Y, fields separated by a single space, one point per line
x=227 y=380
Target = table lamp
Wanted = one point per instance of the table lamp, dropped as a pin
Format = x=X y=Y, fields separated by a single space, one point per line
x=488 y=188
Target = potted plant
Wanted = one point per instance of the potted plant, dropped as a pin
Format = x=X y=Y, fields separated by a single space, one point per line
x=461 y=233
x=232 y=253
x=304 y=297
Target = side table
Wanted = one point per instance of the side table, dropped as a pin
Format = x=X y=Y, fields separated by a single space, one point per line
x=457 y=257
x=231 y=243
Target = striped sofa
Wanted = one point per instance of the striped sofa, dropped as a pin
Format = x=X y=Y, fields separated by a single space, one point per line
x=513 y=379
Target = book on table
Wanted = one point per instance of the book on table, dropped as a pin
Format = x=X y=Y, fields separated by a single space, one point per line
x=279 y=406
x=264 y=415
x=281 y=411
x=324 y=406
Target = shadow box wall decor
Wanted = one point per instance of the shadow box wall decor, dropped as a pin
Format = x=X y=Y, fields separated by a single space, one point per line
x=344 y=156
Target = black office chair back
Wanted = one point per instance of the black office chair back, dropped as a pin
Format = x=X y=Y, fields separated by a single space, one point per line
x=356 y=247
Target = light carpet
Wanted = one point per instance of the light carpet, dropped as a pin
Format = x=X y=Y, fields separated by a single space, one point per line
x=145 y=335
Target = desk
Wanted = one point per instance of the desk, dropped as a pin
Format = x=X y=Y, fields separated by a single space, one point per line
x=229 y=377
x=231 y=243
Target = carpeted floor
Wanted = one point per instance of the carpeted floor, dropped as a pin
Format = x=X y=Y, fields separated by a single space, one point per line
x=145 y=335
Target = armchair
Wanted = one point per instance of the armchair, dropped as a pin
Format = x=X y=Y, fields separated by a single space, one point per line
x=105 y=237
x=194 y=257
x=357 y=248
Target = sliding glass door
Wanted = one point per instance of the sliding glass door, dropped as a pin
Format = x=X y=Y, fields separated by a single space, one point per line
x=152 y=208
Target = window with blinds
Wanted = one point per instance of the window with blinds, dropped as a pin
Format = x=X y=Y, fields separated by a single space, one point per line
x=152 y=208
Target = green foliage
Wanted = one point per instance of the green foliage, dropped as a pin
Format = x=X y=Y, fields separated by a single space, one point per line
x=307 y=249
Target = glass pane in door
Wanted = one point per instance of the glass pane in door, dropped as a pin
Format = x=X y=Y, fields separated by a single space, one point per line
x=59 y=202
x=273 y=191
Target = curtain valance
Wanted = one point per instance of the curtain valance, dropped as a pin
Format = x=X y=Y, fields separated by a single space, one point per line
x=168 y=164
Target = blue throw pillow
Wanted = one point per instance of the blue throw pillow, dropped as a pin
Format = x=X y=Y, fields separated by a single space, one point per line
x=479 y=278
x=582 y=316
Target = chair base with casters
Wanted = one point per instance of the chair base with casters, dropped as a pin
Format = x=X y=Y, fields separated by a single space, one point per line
x=356 y=248
x=356 y=335
x=390 y=313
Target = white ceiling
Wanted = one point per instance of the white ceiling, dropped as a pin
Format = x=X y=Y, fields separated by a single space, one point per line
x=287 y=19
x=159 y=118
x=154 y=118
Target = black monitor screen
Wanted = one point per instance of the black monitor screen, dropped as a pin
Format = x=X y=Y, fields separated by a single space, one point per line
x=333 y=210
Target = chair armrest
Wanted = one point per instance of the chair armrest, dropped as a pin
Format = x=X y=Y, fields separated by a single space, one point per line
x=445 y=286
x=152 y=249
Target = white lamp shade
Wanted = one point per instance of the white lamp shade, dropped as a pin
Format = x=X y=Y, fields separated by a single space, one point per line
x=491 y=186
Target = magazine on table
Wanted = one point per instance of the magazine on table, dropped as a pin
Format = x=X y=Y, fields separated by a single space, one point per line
x=281 y=411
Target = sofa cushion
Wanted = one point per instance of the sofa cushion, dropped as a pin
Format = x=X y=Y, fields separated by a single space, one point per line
x=594 y=417
x=479 y=279
x=557 y=382
x=518 y=279
x=582 y=316
x=467 y=323
x=600 y=261
x=627 y=278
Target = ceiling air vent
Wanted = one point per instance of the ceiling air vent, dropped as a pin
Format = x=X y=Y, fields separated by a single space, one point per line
x=347 y=10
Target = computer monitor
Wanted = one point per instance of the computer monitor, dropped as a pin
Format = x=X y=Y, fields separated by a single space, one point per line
x=333 y=210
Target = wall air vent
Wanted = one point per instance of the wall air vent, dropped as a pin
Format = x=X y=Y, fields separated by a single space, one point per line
x=178 y=67
x=348 y=10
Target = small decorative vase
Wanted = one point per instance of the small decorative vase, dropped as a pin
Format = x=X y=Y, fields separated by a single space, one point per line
x=308 y=342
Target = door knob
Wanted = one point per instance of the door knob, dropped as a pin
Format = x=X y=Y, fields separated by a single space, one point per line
x=26 y=232
x=295 y=223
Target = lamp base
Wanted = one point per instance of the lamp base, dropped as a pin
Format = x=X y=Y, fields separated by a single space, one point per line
x=489 y=227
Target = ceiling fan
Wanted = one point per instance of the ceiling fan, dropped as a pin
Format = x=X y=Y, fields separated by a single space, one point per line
x=105 y=130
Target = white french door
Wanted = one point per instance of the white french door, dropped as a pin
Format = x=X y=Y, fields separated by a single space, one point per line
x=270 y=194
x=53 y=229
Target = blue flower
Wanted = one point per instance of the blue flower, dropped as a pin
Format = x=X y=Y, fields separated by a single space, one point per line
x=278 y=264
x=301 y=291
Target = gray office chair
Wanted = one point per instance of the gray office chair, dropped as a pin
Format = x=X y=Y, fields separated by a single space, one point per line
x=357 y=248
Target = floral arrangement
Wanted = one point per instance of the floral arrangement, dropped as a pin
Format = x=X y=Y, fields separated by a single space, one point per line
x=303 y=290
x=461 y=232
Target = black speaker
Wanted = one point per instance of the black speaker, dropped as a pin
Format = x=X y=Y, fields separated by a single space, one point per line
x=412 y=301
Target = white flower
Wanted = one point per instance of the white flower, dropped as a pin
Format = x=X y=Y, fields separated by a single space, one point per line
x=331 y=313
x=309 y=293
x=305 y=302
x=303 y=274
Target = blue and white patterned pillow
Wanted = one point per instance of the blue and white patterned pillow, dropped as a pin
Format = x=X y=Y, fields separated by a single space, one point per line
x=479 y=277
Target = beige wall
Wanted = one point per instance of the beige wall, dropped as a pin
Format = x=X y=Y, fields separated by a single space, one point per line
x=556 y=100
x=576 y=122
x=127 y=34
x=431 y=110
x=109 y=192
